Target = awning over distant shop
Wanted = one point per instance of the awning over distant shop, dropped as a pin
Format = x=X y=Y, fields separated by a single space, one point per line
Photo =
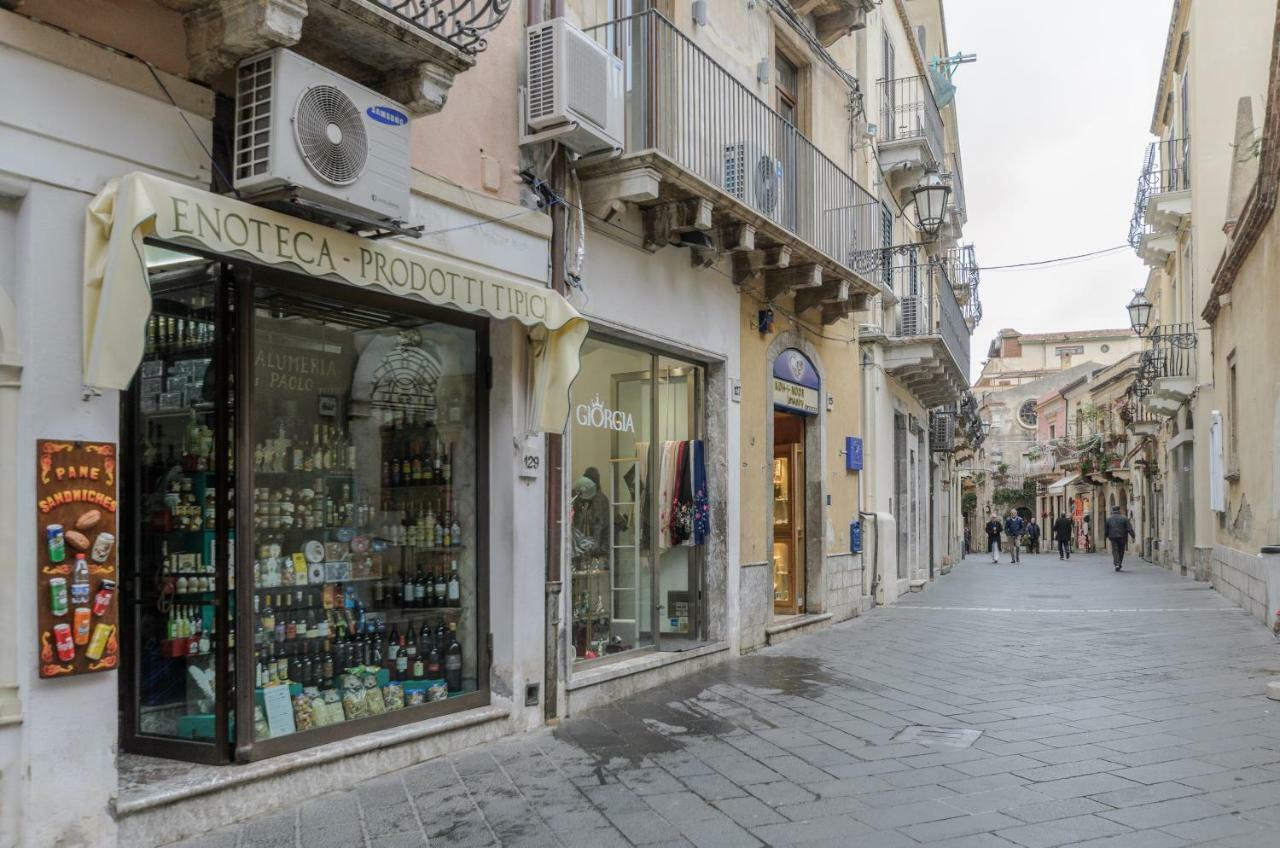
x=1057 y=487
x=117 y=297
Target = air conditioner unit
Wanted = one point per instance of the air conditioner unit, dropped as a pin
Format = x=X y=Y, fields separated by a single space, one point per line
x=754 y=177
x=574 y=83
x=315 y=136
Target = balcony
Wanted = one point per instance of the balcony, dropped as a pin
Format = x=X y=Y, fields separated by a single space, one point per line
x=961 y=268
x=713 y=168
x=910 y=132
x=1166 y=369
x=1138 y=420
x=924 y=332
x=1162 y=204
x=407 y=50
x=834 y=19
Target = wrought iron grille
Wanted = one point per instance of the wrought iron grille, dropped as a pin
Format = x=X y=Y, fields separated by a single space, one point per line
x=942 y=430
x=1166 y=167
x=1169 y=353
x=961 y=267
x=908 y=110
x=462 y=23
x=683 y=104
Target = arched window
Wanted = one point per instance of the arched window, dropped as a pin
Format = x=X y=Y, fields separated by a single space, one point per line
x=1027 y=414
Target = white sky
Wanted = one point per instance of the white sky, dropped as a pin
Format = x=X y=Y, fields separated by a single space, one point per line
x=1054 y=120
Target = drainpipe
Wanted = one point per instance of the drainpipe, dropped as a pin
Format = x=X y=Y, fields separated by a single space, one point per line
x=554 y=442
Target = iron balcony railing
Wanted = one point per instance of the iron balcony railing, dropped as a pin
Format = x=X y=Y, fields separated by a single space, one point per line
x=961 y=268
x=957 y=185
x=1166 y=167
x=681 y=103
x=908 y=110
x=1170 y=352
x=926 y=307
x=462 y=23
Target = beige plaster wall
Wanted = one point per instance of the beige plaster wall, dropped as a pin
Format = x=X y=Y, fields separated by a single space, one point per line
x=838 y=366
x=141 y=27
x=1247 y=327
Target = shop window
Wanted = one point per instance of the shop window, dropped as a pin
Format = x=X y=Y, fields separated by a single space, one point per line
x=637 y=501
x=304 y=558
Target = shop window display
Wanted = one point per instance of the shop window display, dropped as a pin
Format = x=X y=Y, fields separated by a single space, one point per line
x=633 y=504
x=363 y=514
x=352 y=473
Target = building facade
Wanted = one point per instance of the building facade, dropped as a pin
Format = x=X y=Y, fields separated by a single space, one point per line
x=1239 y=308
x=1215 y=58
x=561 y=428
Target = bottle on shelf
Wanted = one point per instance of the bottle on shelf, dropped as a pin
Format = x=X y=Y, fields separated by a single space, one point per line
x=455 y=586
x=441 y=589
x=453 y=661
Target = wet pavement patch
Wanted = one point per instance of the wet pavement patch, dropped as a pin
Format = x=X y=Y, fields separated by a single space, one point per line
x=939 y=737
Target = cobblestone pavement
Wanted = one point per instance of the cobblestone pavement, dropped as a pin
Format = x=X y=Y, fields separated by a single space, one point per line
x=1120 y=710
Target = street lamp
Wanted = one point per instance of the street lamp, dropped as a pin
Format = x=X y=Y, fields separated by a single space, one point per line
x=931 y=203
x=1139 y=312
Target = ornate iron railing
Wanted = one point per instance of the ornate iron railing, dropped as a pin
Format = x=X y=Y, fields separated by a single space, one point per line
x=683 y=104
x=961 y=266
x=1166 y=167
x=908 y=110
x=1170 y=352
x=942 y=429
x=462 y=23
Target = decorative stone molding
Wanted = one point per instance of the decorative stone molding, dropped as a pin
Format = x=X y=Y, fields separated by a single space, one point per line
x=360 y=39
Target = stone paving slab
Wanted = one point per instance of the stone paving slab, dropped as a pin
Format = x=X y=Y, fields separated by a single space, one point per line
x=1116 y=711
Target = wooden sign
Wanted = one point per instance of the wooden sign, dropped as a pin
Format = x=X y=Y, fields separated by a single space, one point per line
x=77 y=576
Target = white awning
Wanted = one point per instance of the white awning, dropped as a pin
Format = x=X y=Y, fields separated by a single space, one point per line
x=1058 y=487
x=117 y=296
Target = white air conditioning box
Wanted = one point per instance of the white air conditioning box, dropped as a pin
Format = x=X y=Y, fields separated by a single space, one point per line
x=755 y=177
x=330 y=142
x=574 y=82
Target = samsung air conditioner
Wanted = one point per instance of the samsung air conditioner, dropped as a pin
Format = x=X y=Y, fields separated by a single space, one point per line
x=754 y=177
x=318 y=139
x=574 y=84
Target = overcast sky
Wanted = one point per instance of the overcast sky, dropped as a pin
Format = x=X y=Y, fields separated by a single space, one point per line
x=1054 y=120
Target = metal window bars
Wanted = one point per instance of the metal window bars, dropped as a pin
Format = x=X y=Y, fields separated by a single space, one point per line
x=684 y=105
x=461 y=23
x=1166 y=167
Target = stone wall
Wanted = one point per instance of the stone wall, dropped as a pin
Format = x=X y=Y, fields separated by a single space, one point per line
x=844 y=585
x=1251 y=581
x=755 y=604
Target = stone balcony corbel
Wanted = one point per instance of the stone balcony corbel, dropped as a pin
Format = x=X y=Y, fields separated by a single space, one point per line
x=360 y=39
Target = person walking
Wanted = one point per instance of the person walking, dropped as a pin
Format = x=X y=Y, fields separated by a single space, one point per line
x=968 y=541
x=1062 y=530
x=994 y=528
x=1033 y=536
x=1013 y=527
x=1119 y=531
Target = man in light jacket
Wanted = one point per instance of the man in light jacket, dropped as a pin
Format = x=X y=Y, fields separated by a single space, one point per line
x=1119 y=532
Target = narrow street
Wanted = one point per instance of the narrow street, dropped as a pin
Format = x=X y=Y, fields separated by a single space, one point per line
x=1094 y=709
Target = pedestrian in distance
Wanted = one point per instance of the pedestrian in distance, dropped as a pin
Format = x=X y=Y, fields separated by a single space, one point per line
x=1013 y=527
x=1062 y=530
x=1119 y=532
x=1033 y=536
x=968 y=541
x=994 y=528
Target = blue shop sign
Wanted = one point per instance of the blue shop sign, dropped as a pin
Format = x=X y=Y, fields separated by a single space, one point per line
x=795 y=383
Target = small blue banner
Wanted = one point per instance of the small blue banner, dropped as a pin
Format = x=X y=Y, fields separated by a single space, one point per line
x=852 y=453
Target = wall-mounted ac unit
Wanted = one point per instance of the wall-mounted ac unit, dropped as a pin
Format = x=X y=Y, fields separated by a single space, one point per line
x=317 y=136
x=755 y=177
x=573 y=83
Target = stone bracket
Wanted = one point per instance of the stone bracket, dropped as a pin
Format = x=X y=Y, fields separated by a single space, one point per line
x=747 y=265
x=664 y=223
x=782 y=281
x=829 y=292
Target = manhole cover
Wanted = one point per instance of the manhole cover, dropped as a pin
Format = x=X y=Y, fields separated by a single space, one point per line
x=938 y=737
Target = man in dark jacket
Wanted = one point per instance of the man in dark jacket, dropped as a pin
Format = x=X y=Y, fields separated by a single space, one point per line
x=1119 y=532
x=994 y=528
x=1062 y=535
x=1013 y=527
x=1033 y=536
